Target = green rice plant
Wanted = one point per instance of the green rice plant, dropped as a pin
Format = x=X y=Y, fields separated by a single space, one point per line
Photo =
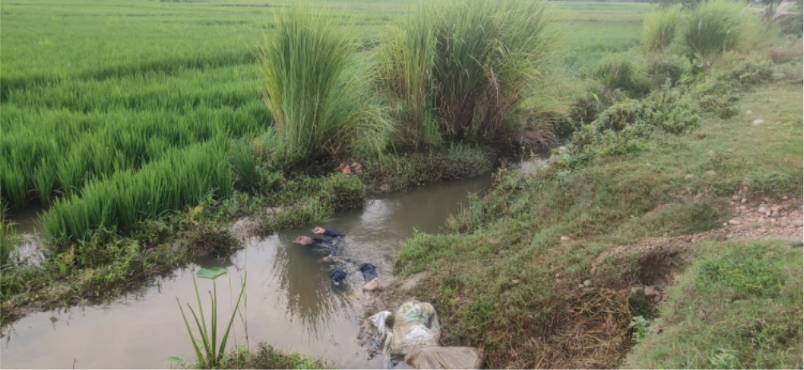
x=660 y=28
x=183 y=178
x=208 y=354
x=319 y=103
x=717 y=26
x=624 y=71
x=8 y=239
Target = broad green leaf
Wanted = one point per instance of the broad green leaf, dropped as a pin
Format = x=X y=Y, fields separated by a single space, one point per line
x=211 y=273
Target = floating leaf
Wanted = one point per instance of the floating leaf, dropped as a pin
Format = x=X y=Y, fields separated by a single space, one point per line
x=211 y=273
x=174 y=360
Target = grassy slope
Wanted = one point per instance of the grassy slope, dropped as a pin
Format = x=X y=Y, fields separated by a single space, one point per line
x=737 y=306
x=501 y=278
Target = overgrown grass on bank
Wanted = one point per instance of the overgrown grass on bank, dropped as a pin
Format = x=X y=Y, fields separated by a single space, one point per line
x=738 y=305
x=501 y=278
x=266 y=357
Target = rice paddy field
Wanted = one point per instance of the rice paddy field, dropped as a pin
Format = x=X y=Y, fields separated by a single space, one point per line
x=147 y=98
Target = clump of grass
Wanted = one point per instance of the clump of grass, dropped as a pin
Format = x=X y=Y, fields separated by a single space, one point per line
x=747 y=309
x=406 y=56
x=624 y=71
x=267 y=357
x=468 y=63
x=8 y=239
x=319 y=102
x=660 y=28
x=717 y=26
x=182 y=179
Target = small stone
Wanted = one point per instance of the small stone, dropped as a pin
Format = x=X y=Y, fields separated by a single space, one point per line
x=565 y=238
x=795 y=243
x=593 y=270
x=734 y=222
x=557 y=275
x=784 y=197
x=743 y=200
x=587 y=283
x=762 y=209
x=515 y=281
x=758 y=122
x=797 y=223
x=737 y=211
x=690 y=176
x=749 y=112
x=650 y=292
x=735 y=198
x=710 y=172
x=635 y=290
x=580 y=285
x=768 y=213
x=775 y=214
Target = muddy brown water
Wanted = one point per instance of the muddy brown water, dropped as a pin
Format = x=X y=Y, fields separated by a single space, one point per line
x=291 y=303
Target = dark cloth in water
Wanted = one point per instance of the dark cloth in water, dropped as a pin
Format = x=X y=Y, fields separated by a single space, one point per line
x=332 y=233
x=337 y=275
x=369 y=272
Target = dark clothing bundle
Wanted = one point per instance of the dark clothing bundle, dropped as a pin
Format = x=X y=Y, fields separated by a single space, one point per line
x=332 y=233
x=369 y=272
x=337 y=275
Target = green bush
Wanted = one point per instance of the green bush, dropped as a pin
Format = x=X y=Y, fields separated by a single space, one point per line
x=477 y=58
x=623 y=71
x=320 y=105
x=660 y=28
x=718 y=26
x=663 y=67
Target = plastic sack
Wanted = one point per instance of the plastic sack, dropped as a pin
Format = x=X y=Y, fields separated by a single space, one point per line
x=415 y=326
x=383 y=336
x=445 y=358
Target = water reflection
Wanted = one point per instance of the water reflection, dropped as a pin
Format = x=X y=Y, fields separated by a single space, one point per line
x=291 y=303
x=309 y=294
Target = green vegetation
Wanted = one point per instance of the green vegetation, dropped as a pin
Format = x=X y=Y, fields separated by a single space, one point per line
x=660 y=28
x=318 y=104
x=500 y=273
x=717 y=26
x=738 y=305
x=211 y=357
x=467 y=65
x=144 y=143
x=266 y=357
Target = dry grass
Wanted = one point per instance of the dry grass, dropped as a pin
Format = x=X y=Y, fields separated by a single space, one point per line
x=785 y=54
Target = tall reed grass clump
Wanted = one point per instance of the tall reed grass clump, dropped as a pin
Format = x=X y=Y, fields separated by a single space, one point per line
x=8 y=239
x=717 y=26
x=315 y=89
x=179 y=180
x=465 y=66
x=660 y=28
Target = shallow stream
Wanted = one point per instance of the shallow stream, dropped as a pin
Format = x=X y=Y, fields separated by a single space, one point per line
x=291 y=303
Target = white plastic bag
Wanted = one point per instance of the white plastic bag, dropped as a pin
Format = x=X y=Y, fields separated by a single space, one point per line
x=384 y=335
x=415 y=326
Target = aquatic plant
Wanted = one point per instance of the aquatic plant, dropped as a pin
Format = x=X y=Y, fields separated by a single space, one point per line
x=8 y=239
x=208 y=354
